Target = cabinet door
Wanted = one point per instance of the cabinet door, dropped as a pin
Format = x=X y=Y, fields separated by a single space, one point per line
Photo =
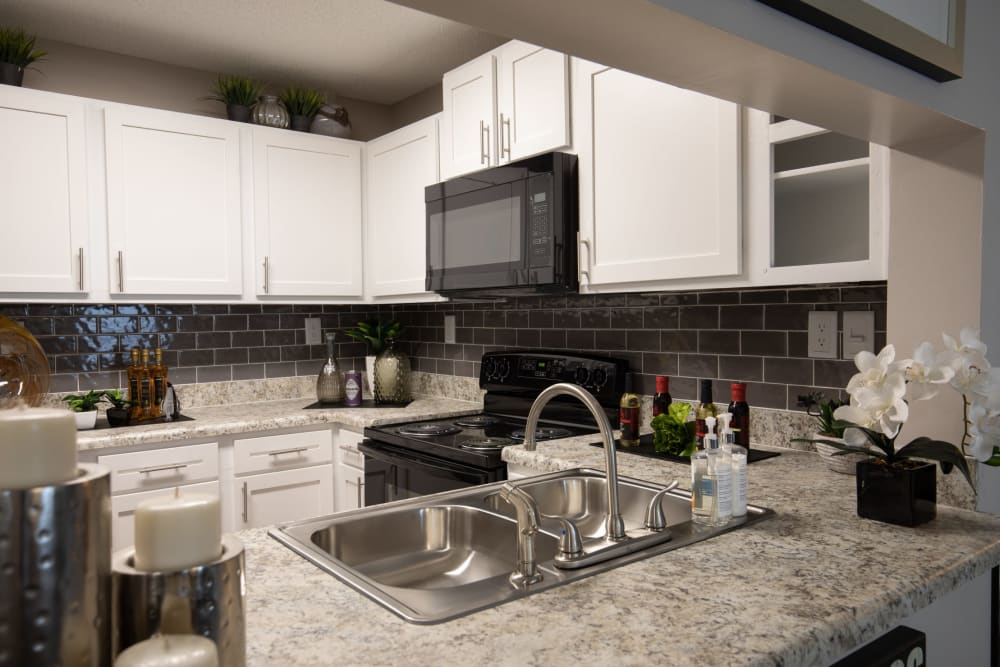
x=277 y=497
x=174 y=217
x=659 y=180
x=468 y=130
x=307 y=214
x=399 y=166
x=43 y=197
x=123 y=510
x=532 y=100
x=350 y=489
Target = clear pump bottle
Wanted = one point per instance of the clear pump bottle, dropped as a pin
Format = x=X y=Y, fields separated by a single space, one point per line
x=738 y=459
x=719 y=467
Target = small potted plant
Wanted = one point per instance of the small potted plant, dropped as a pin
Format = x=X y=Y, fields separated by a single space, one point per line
x=375 y=334
x=302 y=104
x=85 y=407
x=827 y=428
x=120 y=412
x=17 y=51
x=238 y=93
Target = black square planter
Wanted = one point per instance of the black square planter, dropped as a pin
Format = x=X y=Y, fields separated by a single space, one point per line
x=903 y=496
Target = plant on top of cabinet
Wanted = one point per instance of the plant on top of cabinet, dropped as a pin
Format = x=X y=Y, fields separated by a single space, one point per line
x=238 y=93
x=302 y=103
x=17 y=51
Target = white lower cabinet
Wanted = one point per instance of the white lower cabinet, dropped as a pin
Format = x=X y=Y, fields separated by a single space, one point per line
x=349 y=471
x=278 y=497
x=123 y=510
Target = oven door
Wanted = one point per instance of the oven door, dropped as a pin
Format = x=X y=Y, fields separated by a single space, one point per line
x=395 y=473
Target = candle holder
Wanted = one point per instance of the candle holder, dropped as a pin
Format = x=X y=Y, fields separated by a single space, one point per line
x=55 y=566
x=203 y=600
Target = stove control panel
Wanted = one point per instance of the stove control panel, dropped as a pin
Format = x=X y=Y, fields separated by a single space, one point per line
x=507 y=371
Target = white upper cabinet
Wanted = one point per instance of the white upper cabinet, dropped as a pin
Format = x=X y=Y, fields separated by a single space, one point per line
x=174 y=217
x=659 y=170
x=43 y=193
x=399 y=166
x=307 y=214
x=532 y=100
x=468 y=123
x=505 y=105
x=815 y=203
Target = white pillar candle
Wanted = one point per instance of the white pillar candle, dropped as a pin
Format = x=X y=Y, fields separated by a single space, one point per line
x=170 y=651
x=177 y=531
x=37 y=447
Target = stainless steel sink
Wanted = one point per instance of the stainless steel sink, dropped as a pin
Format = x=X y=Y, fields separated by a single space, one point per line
x=434 y=558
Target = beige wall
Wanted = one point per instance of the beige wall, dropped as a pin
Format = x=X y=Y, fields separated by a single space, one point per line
x=76 y=70
x=415 y=107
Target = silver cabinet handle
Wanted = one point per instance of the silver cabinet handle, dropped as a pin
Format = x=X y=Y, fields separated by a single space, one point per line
x=178 y=467
x=360 y=486
x=586 y=244
x=79 y=255
x=245 y=520
x=347 y=448
x=265 y=273
x=504 y=122
x=293 y=450
x=121 y=272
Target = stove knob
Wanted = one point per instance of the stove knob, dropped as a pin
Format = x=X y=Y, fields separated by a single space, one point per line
x=599 y=376
x=504 y=368
x=490 y=366
x=582 y=375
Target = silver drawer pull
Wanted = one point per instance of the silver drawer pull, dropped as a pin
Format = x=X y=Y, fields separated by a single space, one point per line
x=348 y=448
x=361 y=502
x=293 y=450
x=178 y=467
x=245 y=508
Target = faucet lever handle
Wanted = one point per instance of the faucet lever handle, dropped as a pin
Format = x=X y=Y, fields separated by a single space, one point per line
x=570 y=544
x=655 y=519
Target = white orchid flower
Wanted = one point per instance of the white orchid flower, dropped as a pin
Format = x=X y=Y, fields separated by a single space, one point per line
x=879 y=407
x=967 y=357
x=926 y=369
x=984 y=427
x=873 y=369
x=968 y=341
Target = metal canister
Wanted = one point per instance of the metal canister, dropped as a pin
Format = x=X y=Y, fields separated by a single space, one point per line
x=352 y=388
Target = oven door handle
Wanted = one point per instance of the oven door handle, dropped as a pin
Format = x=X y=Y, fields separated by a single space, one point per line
x=451 y=471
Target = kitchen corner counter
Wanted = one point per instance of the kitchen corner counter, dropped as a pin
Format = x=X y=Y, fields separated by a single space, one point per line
x=238 y=418
x=802 y=588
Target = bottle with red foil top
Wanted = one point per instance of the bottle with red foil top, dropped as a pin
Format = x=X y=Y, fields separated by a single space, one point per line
x=741 y=414
x=628 y=415
x=661 y=399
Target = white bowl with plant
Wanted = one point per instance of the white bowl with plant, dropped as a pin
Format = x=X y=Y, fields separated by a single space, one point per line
x=85 y=408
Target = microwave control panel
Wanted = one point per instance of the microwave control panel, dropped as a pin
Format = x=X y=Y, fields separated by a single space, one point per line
x=540 y=236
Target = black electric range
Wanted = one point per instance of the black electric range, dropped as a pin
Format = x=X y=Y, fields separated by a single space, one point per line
x=429 y=456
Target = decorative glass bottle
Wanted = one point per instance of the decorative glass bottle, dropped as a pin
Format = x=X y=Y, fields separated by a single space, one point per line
x=269 y=111
x=392 y=375
x=330 y=383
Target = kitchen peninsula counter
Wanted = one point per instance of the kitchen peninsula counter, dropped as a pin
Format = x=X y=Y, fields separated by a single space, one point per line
x=802 y=588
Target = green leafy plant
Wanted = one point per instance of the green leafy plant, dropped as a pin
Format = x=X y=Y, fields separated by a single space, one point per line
x=18 y=47
x=302 y=101
x=822 y=408
x=117 y=401
x=374 y=333
x=84 y=402
x=238 y=90
x=673 y=433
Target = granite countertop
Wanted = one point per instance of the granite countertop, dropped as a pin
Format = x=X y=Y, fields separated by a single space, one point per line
x=267 y=416
x=801 y=588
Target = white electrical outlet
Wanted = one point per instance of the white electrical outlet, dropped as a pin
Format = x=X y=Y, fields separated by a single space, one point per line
x=314 y=333
x=859 y=333
x=823 y=334
x=449 y=328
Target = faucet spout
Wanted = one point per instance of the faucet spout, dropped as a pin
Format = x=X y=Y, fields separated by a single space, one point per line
x=526 y=571
x=614 y=523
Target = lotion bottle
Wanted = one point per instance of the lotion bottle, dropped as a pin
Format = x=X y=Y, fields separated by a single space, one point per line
x=738 y=458
x=703 y=489
x=720 y=470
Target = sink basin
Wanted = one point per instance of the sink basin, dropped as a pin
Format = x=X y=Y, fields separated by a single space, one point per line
x=434 y=558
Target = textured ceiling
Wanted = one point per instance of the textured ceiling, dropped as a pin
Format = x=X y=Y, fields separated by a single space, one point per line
x=366 y=49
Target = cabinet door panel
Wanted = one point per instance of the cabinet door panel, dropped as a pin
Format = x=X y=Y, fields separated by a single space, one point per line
x=533 y=100
x=659 y=181
x=276 y=497
x=43 y=202
x=174 y=217
x=399 y=166
x=468 y=132
x=350 y=489
x=307 y=214
x=123 y=510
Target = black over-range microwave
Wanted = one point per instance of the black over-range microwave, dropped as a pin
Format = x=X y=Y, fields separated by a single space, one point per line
x=505 y=231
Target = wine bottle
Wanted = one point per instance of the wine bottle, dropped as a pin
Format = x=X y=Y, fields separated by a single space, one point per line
x=741 y=414
x=661 y=400
x=706 y=408
x=628 y=415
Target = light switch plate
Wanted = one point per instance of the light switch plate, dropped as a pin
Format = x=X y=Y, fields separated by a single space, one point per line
x=314 y=333
x=859 y=332
x=823 y=334
x=449 y=328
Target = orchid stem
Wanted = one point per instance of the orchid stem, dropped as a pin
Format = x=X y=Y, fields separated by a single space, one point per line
x=965 y=423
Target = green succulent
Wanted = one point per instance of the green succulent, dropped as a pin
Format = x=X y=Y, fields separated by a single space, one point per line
x=302 y=101
x=84 y=402
x=238 y=90
x=115 y=398
x=375 y=333
x=17 y=47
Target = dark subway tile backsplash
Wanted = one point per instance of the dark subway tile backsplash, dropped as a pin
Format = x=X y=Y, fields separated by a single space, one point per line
x=755 y=335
